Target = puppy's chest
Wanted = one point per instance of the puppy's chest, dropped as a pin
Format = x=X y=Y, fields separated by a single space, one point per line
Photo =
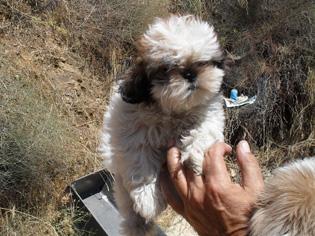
x=149 y=132
x=159 y=130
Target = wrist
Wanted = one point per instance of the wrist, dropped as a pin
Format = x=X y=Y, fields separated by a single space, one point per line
x=239 y=232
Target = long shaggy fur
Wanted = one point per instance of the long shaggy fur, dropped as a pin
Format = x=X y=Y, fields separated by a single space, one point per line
x=172 y=92
x=179 y=38
x=287 y=205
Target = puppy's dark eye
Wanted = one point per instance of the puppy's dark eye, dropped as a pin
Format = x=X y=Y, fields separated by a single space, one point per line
x=218 y=64
x=165 y=69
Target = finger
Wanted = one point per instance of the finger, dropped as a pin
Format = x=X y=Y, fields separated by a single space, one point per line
x=250 y=170
x=214 y=167
x=193 y=179
x=176 y=170
x=170 y=193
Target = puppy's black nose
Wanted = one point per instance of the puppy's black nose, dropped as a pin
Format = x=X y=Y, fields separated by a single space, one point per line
x=190 y=75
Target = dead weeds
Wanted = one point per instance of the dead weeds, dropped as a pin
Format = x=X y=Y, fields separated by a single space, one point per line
x=57 y=63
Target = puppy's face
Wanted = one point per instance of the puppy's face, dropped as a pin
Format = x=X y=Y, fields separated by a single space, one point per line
x=180 y=65
x=183 y=86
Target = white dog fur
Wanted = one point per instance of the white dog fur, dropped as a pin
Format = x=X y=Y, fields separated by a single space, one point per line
x=172 y=92
x=287 y=205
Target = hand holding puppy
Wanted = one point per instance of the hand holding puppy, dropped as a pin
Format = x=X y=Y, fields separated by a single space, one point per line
x=212 y=203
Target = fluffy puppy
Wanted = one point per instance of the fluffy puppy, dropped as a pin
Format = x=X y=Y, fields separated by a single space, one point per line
x=172 y=92
x=287 y=205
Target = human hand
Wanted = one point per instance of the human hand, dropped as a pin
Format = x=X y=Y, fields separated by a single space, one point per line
x=212 y=203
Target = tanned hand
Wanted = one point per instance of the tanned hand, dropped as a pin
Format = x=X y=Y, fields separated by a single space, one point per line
x=212 y=203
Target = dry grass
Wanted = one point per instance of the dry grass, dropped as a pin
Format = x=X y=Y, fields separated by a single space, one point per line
x=34 y=142
x=97 y=28
x=58 y=60
x=40 y=155
x=274 y=41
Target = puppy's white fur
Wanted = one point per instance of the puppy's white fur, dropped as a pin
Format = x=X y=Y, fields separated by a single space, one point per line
x=179 y=38
x=287 y=205
x=135 y=136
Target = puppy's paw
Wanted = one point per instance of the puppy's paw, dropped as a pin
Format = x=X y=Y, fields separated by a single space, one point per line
x=148 y=200
x=136 y=226
x=193 y=158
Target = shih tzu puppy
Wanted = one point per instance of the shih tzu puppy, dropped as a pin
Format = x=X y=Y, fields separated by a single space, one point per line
x=172 y=92
x=287 y=205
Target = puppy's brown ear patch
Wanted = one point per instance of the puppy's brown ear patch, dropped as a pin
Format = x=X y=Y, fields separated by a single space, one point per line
x=135 y=86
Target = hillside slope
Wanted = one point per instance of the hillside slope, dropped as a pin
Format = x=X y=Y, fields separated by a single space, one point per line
x=58 y=60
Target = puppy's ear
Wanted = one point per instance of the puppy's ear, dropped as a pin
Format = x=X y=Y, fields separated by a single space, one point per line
x=135 y=86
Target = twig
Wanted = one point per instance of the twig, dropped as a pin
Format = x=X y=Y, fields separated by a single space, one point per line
x=4 y=85
x=85 y=123
x=87 y=17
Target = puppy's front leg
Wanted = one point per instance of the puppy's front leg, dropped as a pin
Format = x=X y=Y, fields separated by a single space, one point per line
x=195 y=145
x=141 y=181
x=148 y=200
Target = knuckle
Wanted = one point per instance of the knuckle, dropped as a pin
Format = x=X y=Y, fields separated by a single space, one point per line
x=216 y=149
x=251 y=160
x=251 y=157
x=173 y=153
x=196 y=199
x=179 y=174
x=176 y=174
x=253 y=163
x=216 y=188
x=207 y=154
x=212 y=151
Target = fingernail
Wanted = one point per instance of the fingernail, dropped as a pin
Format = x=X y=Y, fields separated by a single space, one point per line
x=244 y=147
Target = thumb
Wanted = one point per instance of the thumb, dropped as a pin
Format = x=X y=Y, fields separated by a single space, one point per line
x=251 y=172
x=170 y=193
